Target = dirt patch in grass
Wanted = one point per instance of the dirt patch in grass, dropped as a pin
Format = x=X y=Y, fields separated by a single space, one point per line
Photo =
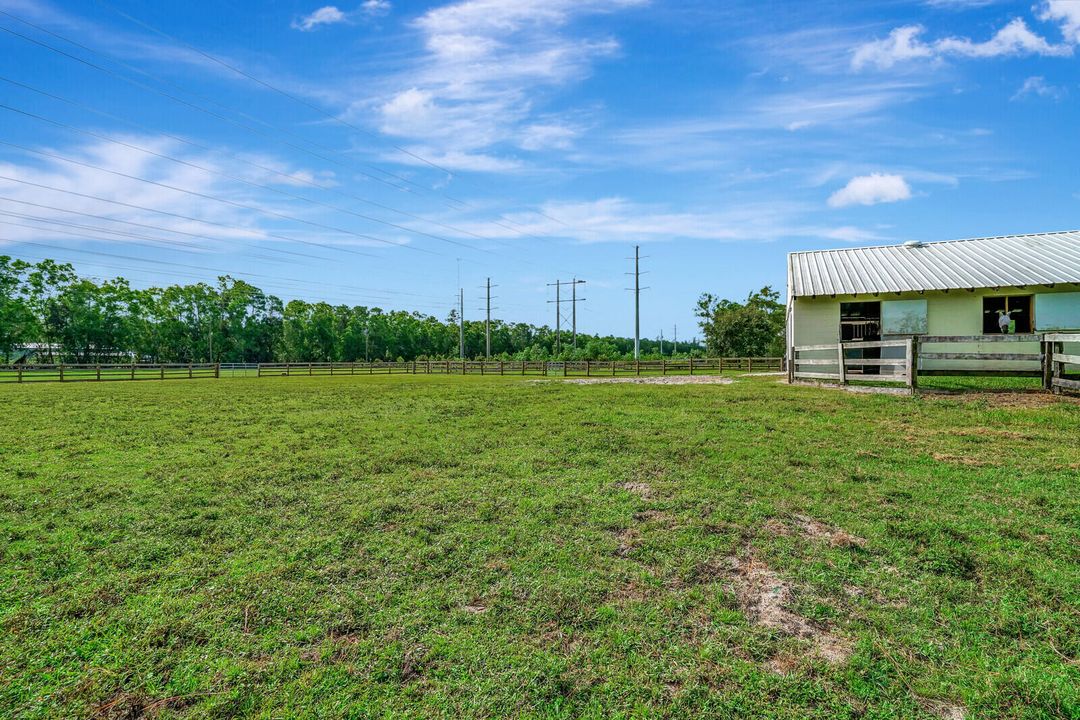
x=662 y=380
x=766 y=599
x=628 y=539
x=942 y=708
x=642 y=490
x=812 y=529
x=816 y=530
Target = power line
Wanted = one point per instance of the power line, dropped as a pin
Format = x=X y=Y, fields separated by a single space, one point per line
x=290 y=177
x=295 y=98
x=218 y=116
x=167 y=263
x=235 y=178
x=121 y=203
x=558 y=301
x=150 y=227
x=224 y=201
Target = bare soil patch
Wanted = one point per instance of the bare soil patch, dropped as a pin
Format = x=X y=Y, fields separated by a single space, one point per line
x=662 y=380
x=816 y=530
x=812 y=529
x=642 y=490
x=943 y=708
x=766 y=598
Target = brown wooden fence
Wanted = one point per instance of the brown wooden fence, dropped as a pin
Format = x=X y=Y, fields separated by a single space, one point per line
x=568 y=368
x=65 y=372
x=85 y=372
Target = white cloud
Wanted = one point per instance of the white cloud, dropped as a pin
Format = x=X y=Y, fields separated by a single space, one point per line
x=871 y=190
x=33 y=178
x=1065 y=12
x=376 y=7
x=328 y=15
x=473 y=93
x=620 y=220
x=904 y=44
x=541 y=136
x=1037 y=85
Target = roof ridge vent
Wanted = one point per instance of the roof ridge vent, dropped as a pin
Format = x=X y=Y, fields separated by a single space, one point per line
x=914 y=244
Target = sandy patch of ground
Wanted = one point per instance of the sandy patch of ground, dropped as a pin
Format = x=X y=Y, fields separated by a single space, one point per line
x=812 y=529
x=766 y=598
x=642 y=490
x=942 y=708
x=660 y=380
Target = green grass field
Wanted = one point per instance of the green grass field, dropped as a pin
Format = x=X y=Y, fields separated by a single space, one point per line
x=494 y=547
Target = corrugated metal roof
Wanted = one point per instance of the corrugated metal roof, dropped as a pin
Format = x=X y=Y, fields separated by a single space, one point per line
x=1006 y=261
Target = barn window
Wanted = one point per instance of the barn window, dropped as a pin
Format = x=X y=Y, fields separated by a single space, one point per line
x=1017 y=308
x=860 y=321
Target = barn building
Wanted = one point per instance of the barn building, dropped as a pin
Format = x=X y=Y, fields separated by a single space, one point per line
x=1018 y=284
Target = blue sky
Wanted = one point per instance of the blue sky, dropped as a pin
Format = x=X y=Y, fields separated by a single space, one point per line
x=376 y=151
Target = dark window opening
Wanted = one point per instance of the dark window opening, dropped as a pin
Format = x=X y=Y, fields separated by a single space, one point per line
x=861 y=321
x=1007 y=314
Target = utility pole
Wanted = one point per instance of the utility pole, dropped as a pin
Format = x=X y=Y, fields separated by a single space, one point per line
x=461 y=322
x=558 y=310
x=661 y=343
x=574 y=312
x=675 y=341
x=487 y=321
x=637 y=300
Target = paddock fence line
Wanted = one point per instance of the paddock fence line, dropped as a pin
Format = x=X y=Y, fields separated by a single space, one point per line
x=560 y=368
x=87 y=372
x=102 y=372
x=903 y=360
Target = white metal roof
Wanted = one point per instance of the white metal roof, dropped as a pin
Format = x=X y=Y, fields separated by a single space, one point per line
x=1007 y=261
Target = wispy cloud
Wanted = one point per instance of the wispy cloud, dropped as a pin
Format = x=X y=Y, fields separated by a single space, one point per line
x=904 y=44
x=871 y=190
x=41 y=183
x=1037 y=86
x=328 y=15
x=472 y=94
x=619 y=220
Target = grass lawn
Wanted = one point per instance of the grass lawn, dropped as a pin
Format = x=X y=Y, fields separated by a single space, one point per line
x=491 y=547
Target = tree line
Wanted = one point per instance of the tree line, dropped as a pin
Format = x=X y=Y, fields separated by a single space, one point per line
x=69 y=318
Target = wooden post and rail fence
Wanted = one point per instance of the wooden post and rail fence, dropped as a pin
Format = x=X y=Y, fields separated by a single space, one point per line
x=81 y=372
x=902 y=361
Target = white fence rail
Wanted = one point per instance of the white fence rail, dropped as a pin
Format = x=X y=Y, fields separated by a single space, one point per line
x=903 y=360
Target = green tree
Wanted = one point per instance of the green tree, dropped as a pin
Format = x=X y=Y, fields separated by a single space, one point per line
x=752 y=329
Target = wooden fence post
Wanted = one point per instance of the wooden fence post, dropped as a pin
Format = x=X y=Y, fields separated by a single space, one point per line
x=840 y=360
x=1048 y=363
x=99 y=373
x=20 y=373
x=500 y=367
x=637 y=367
x=217 y=370
x=162 y=371
x=911 y=355
x=691 y=364
x=61 y=372
x=720 y=365
x=663 y=366
x=588 y=371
